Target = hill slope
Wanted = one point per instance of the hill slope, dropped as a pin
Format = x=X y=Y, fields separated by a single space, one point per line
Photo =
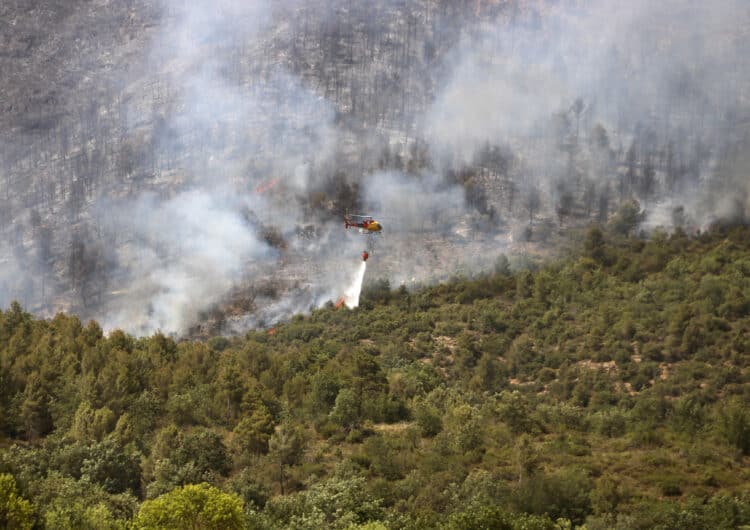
x=610 y=389
x=160 y=160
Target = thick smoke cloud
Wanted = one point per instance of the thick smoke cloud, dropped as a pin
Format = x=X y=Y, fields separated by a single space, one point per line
x=239 y=145
x=492 y=96
x=672 y=73
x=228 y=142
x=259 y=140
x=184 y=255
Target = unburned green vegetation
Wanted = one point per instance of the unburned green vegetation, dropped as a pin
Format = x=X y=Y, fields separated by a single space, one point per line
x=608 y=389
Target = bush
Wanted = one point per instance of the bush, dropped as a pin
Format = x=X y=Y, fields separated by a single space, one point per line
x=15 y=512
x=565 y=493
x=610 y=423
x=496 y=518
x=205 y=450
x=734 y=423
x=428 y=418
x=193 y=506
x=114 y=467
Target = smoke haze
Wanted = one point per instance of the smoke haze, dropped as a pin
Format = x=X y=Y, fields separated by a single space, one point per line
x=215 y=171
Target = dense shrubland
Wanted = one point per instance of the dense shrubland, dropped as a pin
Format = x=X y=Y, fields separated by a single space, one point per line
x=608 y=388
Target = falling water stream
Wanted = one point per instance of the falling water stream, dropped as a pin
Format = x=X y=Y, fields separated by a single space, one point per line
x=351 y=295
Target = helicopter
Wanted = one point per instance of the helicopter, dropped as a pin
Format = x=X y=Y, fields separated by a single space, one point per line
x=365 y=223
x=367 y=226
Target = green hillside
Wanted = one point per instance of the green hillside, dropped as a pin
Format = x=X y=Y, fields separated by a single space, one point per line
x=608 y=388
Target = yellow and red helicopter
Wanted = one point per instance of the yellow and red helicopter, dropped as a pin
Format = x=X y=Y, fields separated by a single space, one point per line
x=365 y=223
x=367 y=226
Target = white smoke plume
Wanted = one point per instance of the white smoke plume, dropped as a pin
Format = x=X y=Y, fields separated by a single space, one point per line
x=184 y=254
x=229 y=142
x=673 y=71
x=231 y=167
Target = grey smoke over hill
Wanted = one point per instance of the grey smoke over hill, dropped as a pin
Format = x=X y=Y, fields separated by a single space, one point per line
x=196 y=159
x=190 y=248
x=669 y=78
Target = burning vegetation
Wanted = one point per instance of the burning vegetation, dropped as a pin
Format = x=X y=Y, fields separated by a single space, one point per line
x=240 y=135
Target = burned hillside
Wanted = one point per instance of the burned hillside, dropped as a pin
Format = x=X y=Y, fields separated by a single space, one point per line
x=158 y=159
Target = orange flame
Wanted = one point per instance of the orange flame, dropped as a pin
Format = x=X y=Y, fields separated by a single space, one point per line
x=266 y=186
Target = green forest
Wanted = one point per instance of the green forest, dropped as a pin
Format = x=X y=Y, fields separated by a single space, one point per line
x=604 y=388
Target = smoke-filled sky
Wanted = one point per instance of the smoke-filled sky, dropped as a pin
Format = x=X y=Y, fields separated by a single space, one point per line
x=251 y=129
